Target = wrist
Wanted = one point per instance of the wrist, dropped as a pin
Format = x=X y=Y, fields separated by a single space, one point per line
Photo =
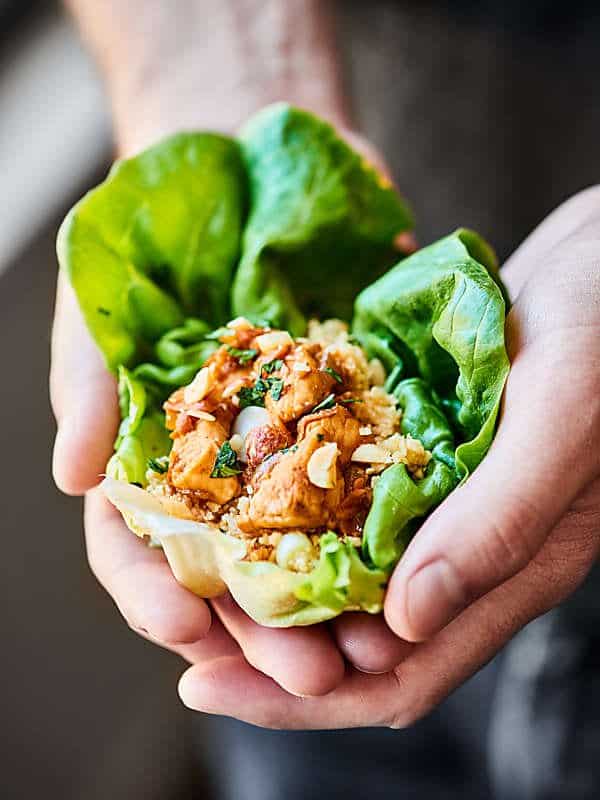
x=214 y=77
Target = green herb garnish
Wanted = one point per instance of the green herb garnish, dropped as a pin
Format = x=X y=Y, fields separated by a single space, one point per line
x=328 y=402
x=352 y=400
x=242 y=356
x=255 y=395
x=272 y=366
x=320 y=437
x=226 y=464
x=334 y=374
x=160 y=465
x=104 y=311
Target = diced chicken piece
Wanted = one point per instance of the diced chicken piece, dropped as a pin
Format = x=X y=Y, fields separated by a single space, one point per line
x=333 y=425
x=193 y=458
x=305 y=386
x=284 y=496
x=266 y=440
x=227 y=376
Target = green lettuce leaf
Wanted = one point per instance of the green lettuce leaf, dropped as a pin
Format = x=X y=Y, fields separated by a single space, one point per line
x=321 y=226
x=158 y=240
x=400 y=502
x=180 y=353
x=142 y=434
x=438 y=316
x=342 y=580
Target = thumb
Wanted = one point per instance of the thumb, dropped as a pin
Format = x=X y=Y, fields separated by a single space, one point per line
x=489 y=529
x=84 y=399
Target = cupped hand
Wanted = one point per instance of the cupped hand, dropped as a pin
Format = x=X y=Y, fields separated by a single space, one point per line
x=510 y=544
x=304 y=661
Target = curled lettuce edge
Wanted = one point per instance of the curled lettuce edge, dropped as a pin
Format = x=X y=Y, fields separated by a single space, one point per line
x=461 y=318
x=318 y=211
x=155 y=242
x=142 y=434
x=208 y=563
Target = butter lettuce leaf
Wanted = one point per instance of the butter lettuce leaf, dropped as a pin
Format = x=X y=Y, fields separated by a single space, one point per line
x=142 y=434
x=341 y=580
x=157 y=241
x=322 y=222
x=438 y=317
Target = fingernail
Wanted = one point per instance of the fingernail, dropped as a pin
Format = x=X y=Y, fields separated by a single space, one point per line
x=434 y=597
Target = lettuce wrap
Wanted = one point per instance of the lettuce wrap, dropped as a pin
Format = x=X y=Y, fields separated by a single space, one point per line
x=284 y=223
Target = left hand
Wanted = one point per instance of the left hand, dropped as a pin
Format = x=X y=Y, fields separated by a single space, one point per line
x=305 y=661
x=510 y=544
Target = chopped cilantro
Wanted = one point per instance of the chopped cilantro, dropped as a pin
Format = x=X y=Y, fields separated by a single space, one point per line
x=334 y=374
x=291 y=449
x=328 y=402
x=352 y=400
x=160 y=465
x=242 y=356
x=255 y=395
x=226 y=464
x=272 y=366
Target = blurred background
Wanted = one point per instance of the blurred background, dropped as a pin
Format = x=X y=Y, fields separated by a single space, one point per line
x=89 y=709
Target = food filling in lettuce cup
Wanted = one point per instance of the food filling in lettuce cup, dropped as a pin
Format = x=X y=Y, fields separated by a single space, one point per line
x=288 y=454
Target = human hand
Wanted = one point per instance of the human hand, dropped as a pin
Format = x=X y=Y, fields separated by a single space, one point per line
x=512 y=543
x=84 y=397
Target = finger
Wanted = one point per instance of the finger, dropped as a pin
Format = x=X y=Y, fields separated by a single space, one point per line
x=431 y=670
x=217 y=643
x=84 y=399
x=139 y=579
x=232 y=687
x=367 y=643
x=304 y=661
x=544 y=452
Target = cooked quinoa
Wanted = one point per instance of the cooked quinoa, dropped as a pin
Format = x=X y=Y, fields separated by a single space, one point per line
x=277 y=440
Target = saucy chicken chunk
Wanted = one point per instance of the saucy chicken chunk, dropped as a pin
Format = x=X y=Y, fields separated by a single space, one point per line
x=284 y=495
x=193 y=458
x=304 y=386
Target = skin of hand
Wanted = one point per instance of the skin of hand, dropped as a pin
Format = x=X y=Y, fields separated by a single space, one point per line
x=503 y=550
x=288 y=42
x=513 y=542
